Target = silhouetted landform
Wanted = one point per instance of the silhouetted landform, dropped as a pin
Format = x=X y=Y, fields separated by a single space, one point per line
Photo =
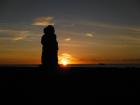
x=49 y=48
x=36 y=84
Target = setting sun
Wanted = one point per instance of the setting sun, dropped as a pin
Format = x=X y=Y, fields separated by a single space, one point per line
x=65 y=59
x=64 y=62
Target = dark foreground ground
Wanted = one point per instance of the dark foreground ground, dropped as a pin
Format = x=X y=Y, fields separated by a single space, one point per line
x=36 y=84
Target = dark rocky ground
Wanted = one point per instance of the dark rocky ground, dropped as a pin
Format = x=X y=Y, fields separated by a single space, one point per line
x=36 y=84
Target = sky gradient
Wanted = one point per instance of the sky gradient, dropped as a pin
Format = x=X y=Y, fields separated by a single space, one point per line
x=88 y=31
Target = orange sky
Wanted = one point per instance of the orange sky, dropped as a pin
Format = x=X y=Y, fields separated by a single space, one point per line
x=24 y=47
x=90 y=32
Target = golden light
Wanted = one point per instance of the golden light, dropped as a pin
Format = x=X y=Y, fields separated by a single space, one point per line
x=65 y=59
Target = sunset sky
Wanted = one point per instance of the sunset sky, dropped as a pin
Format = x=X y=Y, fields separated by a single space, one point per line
x=88 y=31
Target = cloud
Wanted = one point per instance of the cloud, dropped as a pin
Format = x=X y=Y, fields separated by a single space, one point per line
x=8 y=31
x=102 y=26
x=66 y=55
x=21 y=36
x=69 y=25
x=90 y=34
x=132 y=40
x=43 y=21
x=68 y=39
x=14 y=35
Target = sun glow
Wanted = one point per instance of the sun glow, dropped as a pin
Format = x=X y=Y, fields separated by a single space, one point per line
x=65 y=59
